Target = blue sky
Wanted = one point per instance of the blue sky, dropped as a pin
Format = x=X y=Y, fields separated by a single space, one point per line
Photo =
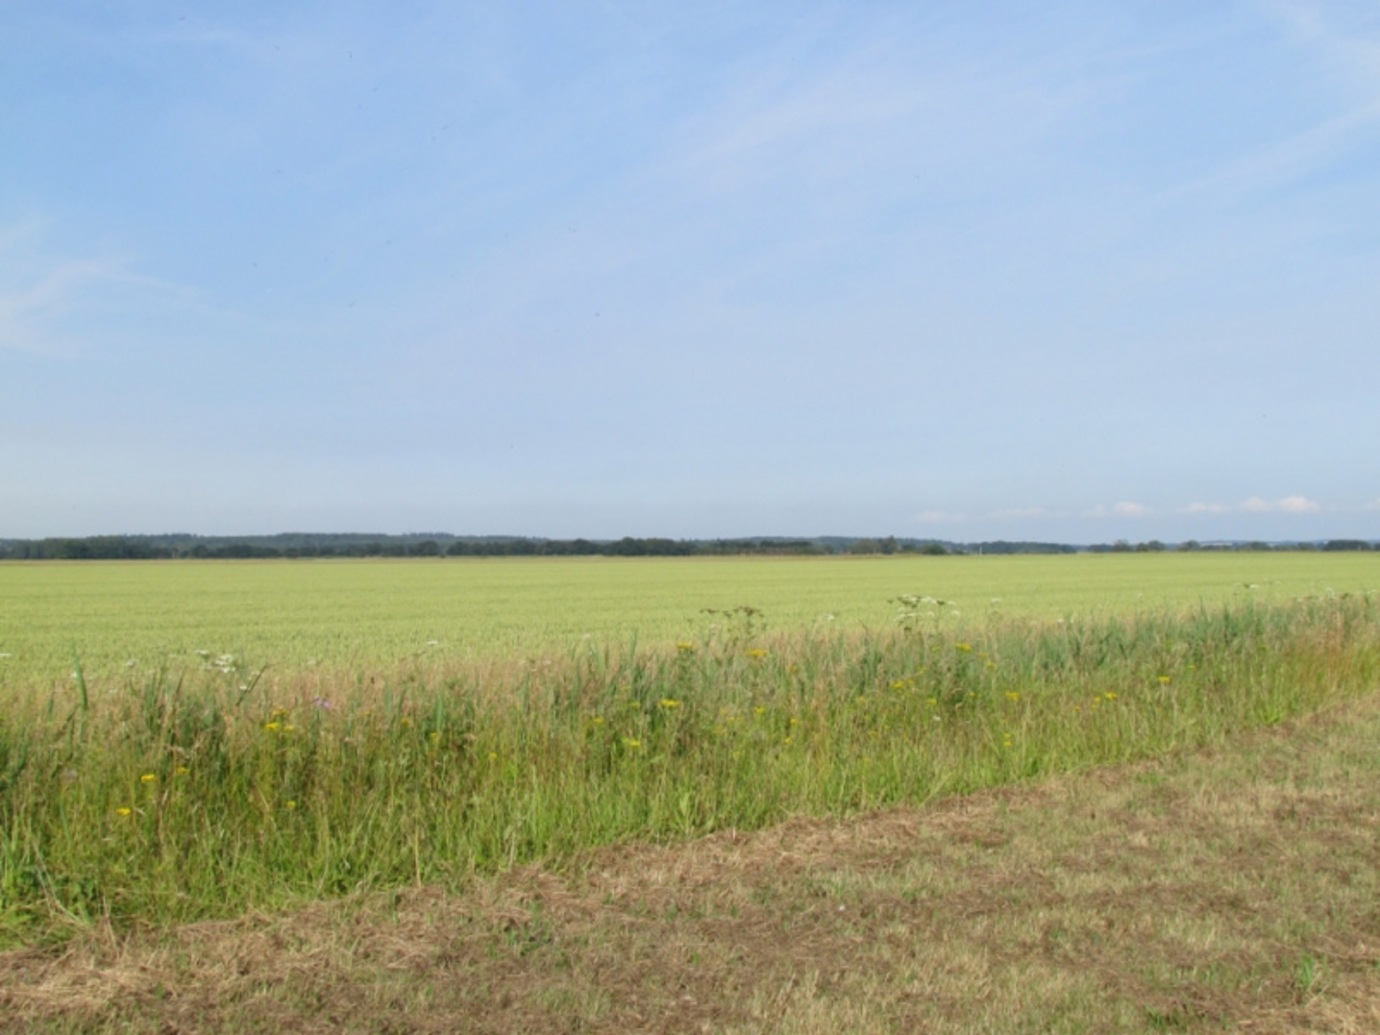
x=1071 y=271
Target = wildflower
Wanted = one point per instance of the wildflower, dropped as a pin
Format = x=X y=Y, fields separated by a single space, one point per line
x=406 y=721
x=124 y=811
x=1164 y=680
x=759 y=710
x=148 y=778
x=787 y=740
x=795 y=721
x=273 y=727
x=1110 y=696
x=1012 y=695
x=290 y=804
x=991 y=664
x=757 y=653
x=433 y=643
x=493 y=756
x=434 y=736
x=632 y=742
x=966 y=648
x=598 y=720
x=898 y=684
x=669 y=702
x=289 y=728
x=281 y=713
x=932 y=702
x=323 y=704
x=685 y=646
x=181 y=770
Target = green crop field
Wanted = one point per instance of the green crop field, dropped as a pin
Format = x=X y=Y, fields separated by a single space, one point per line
x=292 y=614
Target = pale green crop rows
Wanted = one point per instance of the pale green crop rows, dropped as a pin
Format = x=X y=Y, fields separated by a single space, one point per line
x=288 y=614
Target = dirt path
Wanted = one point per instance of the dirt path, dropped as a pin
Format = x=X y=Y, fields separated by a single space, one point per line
x=1236 y=888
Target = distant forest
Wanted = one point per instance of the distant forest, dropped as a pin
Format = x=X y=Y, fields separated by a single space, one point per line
x=298 y=545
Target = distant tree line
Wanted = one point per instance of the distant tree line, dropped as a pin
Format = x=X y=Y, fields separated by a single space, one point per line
x=1191 y=545
x=290 y=545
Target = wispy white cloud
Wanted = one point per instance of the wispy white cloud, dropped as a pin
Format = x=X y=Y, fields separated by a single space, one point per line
x=1298 y=505
x=1257 y=505
x=26 y=312
x=40 y=290
x=1119 y=510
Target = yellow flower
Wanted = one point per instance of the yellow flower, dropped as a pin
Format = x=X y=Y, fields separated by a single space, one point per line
x=1013 y=696
x=1164 y=680
x=759 y=710
x=757 y=652
x=281 y=713
x=932 y=702
x=148 y=778
x=123 y=811
x=787 y=740
x=685 y=645
x=632 y=742
x=795 y=721
x=966 y=648
x=493 y=756
x=289 y=728
x=598 y=720
x=1110 y=696
x=406 y=721
x=291 y=804
x=182 y=770
x=435 y=736
x=272 y=727
x=669 y=702
x=898 y=684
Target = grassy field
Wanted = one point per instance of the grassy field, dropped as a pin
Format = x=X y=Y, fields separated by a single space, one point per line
x=350 y=615
x=189 y=786
x=176 y=796
x=1232 y=889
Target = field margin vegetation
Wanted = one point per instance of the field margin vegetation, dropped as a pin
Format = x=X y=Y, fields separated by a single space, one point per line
x=186 y=796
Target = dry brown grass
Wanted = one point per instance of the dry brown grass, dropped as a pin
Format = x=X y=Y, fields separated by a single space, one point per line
x=1232 y=889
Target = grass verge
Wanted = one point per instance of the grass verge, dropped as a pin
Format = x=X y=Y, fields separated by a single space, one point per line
x=1233 y=888
x=177 y=800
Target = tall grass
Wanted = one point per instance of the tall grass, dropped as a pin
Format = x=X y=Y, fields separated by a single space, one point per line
x=181 y=796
